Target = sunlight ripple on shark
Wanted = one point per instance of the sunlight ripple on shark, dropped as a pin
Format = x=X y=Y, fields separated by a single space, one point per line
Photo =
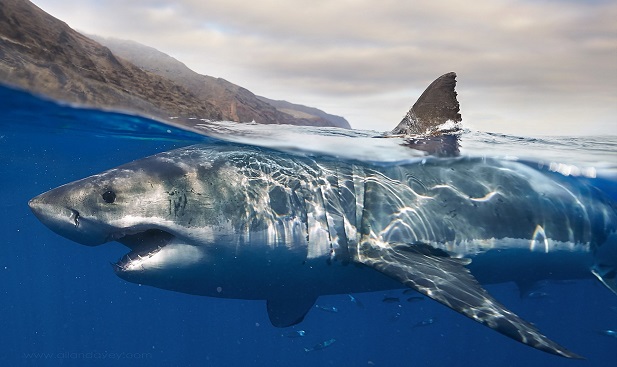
x=244 y=222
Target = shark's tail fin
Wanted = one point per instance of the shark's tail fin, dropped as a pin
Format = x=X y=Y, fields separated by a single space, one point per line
x=436 y=106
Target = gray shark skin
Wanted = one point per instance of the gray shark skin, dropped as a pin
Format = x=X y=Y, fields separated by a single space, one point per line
x=244 y=222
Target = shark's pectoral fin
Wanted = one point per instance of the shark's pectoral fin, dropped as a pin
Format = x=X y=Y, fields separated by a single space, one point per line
x=445 y=279
x=287 y=310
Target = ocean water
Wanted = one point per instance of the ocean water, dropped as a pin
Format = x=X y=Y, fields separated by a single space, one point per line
x=61 y=304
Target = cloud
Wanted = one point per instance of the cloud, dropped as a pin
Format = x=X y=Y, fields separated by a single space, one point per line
x=542 y=62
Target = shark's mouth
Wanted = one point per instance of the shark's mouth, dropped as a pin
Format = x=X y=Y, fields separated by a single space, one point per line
x=143 y=245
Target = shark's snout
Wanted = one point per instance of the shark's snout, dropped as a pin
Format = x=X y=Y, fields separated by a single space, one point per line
x=63 y=220
x=49 y=212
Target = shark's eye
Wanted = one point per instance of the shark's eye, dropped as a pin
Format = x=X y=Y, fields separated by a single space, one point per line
x=109 y=196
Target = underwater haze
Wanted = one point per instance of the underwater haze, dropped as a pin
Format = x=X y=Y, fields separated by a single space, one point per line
x=61 y=303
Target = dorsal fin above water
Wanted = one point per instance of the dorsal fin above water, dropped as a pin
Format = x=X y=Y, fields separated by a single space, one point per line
x=436 y=106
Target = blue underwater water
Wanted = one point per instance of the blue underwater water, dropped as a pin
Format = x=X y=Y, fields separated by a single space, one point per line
x=61 y=304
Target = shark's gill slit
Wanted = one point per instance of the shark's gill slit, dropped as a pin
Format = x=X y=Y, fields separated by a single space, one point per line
x=75 y=217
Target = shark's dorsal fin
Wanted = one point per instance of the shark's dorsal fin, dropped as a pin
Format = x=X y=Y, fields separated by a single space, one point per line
x=437 y=105
x=446 y=280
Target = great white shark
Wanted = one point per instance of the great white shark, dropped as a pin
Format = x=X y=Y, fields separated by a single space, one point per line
x=238 y=221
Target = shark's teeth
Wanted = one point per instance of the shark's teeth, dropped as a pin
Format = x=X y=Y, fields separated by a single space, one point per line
x=144 y=243
x=126 y=260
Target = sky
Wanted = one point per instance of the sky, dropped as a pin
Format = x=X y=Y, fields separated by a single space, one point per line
x=525 y=67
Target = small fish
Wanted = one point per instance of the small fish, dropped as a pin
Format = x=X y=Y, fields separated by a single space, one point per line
x=294 y=334
x=355 y=300
x=321 y=345
x=327 y=308
x=395 y=317
x=537 y=295
x=410 y=291
x=425 y=322
x=415 y=299
x=391 y=300
x=611 y=333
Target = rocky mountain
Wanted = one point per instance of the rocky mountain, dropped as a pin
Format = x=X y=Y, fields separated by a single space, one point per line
x=235 y=103
x=298 y=110
x=44 y=55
